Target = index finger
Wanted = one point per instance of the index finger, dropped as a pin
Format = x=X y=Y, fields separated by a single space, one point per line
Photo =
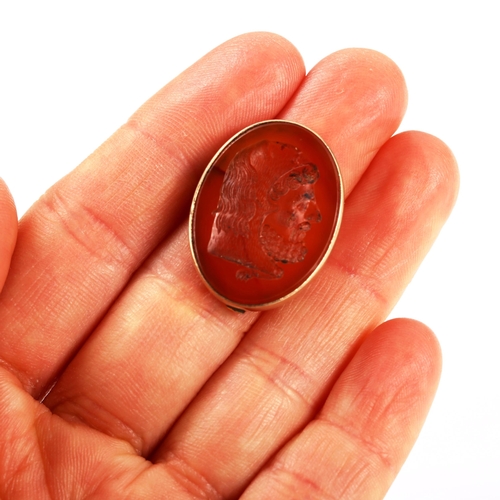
x=80 y=243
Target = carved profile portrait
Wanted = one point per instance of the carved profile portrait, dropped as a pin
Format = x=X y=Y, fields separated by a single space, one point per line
x=266 y=207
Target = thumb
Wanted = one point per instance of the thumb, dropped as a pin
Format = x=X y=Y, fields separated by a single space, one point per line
x=8 y=230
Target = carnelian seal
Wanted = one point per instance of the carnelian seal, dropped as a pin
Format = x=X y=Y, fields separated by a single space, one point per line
x=266 y=214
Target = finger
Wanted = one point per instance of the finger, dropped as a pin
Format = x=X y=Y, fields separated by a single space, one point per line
x=81 y=242
x=166 y=335
x=353 y=105
x=274 y=382
x=359 y=441
x=8 y=230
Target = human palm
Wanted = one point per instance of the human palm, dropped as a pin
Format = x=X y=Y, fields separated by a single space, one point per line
x=160 y=391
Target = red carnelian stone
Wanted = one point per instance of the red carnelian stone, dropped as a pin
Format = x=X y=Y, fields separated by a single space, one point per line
x=265 y=213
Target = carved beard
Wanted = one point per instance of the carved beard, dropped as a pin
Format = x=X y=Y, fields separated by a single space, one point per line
x=288 y=250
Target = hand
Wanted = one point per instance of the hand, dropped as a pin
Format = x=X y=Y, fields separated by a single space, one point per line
x=160 y=391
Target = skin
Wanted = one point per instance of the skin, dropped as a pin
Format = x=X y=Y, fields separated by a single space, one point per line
x=158 y=390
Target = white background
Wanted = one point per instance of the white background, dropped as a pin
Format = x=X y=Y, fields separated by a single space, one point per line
x=70 y=74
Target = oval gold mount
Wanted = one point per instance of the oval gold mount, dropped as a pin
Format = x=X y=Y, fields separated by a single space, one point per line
x=266 y=214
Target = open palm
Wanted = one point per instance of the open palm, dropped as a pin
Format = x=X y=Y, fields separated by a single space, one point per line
x=157 y=389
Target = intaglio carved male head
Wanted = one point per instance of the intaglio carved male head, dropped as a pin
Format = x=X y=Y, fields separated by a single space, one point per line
x=266 y=207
